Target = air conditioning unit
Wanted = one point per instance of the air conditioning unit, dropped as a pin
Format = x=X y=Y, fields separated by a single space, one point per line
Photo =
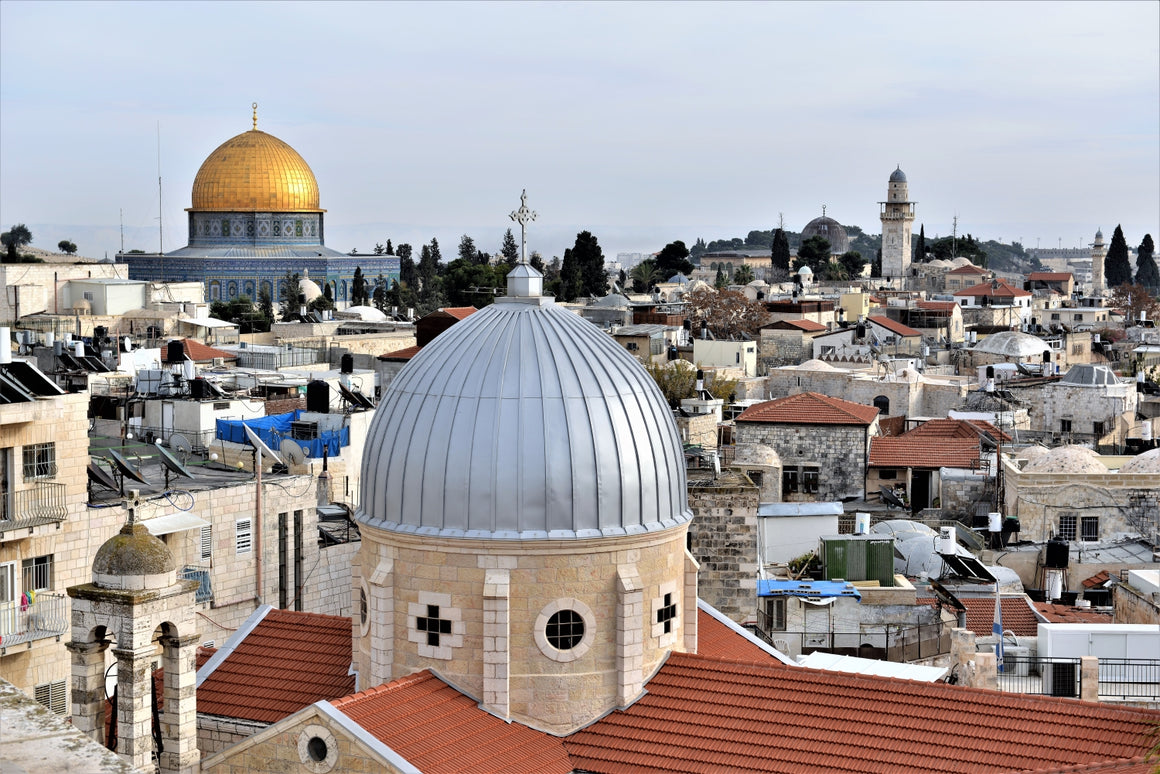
x=304 y=431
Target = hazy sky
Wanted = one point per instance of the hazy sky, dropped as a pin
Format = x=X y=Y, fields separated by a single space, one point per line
x=642 y=123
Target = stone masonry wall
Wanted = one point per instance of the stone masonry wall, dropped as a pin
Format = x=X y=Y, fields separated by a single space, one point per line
x=723 y=538
x=839 y=451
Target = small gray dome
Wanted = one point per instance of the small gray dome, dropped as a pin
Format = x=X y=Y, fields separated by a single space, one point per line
x=523 y=421
x=1067 y=459
x=133 y=558
x=831 y=230
x=1147 y=463
x=898 y=176
x=1013 y=344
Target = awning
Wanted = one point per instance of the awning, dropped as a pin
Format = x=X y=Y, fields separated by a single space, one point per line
x=174 y=522
x=208 y=322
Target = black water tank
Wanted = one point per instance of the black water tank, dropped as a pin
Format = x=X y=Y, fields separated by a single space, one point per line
x=990 y=372
x=174 y=352
x=1057 y=553
x=99 y=332
x=197 y=389
x=860 y=331
x=318 y=397
x=347 y=363
x=1046 y=357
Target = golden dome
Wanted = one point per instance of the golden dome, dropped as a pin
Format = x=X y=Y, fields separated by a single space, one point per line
x=255 y=172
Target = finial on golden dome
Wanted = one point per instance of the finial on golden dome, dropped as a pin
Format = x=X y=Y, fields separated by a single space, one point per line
x=255 y=106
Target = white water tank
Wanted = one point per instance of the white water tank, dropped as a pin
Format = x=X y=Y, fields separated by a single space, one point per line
x=994 y=521
x=946 y=540
x=1146 y=430
x=79 y=349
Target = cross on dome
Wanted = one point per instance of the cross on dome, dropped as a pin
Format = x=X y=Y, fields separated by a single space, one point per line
x=523 y=216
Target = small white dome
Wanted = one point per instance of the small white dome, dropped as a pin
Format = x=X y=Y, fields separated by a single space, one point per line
x=1067 y=459
x=1147 y=463
x=805 y=271
x=309 y=288
x=364 y=313
x=756 y=454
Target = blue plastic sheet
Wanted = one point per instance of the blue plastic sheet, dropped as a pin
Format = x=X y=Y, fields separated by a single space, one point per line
x=274 y=429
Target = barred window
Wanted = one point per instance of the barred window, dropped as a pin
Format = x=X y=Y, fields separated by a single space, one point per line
x=1067 y=525
x=666 y=613
x=565 y=629
x=1089 y=528
x=38 y=573
x=206 y=542
x=433 y=625
x=39 y=461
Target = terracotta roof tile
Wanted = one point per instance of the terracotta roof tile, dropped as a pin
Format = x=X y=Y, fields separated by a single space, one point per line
x=1070 y=614
x=806 y=325
x=908 y=451
x=810 y=408
x=707 y=715
x=406 y=353
x=1018 y=617
x=442 y=731
x=1003 y=289
x=200 y=353
x=893 y=325
x=957 y=428
x=968 y=269
x=1136 y=765
x=716 y=640
x=289 y=660
x=1097 y=580
x=459 y=312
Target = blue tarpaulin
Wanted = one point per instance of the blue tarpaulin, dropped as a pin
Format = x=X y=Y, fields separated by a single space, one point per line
x=273 y=430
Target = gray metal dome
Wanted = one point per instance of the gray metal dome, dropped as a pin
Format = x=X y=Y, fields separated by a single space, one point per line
x=523 y=421
x=898 y=176
x=832 y=230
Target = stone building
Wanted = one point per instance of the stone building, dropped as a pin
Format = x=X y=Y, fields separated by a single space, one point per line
x=823 y=443
x=723 y=539
x=255 y=215
x=787 y=342
x=1071 y=492
x=1090 y=404
x=897 y=215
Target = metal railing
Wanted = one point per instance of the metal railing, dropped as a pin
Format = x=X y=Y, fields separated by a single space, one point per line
x=1129 y=679
x=204 y=591
x=22 y=621
x=886 y=642
x=43 y=502
x=1119 y=678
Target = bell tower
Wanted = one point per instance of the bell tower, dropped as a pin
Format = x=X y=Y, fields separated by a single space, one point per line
x=897 y=215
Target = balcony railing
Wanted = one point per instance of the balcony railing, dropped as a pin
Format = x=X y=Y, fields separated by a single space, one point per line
x=1121 y=679
x=23 y=621
x=204 y=591
x=41 y=503
x=887 y=642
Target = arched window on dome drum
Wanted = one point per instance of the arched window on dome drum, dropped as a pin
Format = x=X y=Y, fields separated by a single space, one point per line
x=342 y=292
x=248 y=289
x=215 y=291
x=232 y=290
x=267 y=288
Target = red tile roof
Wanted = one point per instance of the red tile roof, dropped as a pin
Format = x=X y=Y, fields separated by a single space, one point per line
x=406 y=353
x=1017 y=616
x=288 y=661
x=1002 y=290
x=937 y=306
x=441 y=731
x=806 y=325
x=1136 y=765
x=459 y=312
x=716 y=640
x=970 y=268
x=893 y=325
x=809 y=408
x=1050 y=276
x=908 y=451
x=200 y=353
x=706 y=715
x=1097 y=580
x=1069 y=614
x=957 y=428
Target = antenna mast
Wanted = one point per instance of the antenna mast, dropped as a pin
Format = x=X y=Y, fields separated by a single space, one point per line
x=122 y=230
x=954 y=235
x=160 y=209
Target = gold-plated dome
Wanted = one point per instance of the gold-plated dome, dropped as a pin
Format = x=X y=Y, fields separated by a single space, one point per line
x=255 y=172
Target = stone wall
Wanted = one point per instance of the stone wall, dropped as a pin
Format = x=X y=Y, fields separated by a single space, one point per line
x=839 y=451
x=215 y=734
x=700 y=429
x=39 y=287
x=333 y=579
x=963 y=491
x=780 y=348
x=1133 y=606
x=723 y=538
x=933 y=398
x=1114 y=406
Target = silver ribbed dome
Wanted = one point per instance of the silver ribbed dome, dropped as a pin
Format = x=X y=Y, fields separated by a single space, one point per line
x=523 y=421
x=831 y=230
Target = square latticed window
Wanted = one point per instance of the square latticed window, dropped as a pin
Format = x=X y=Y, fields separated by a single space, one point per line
x=1067 y=526
x=667 y=613
x=1089 y=528
x=39 y=461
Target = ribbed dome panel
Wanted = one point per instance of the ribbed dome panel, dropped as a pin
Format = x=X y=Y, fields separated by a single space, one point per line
x=255 y=172
x=523 y=421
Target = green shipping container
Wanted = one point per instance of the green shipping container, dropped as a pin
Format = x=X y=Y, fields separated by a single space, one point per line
x=859 y=558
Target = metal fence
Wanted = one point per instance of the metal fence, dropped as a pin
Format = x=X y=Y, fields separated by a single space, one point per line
x=885 y=642
x=23 y=621
x=41 y=503
x=1119 y=678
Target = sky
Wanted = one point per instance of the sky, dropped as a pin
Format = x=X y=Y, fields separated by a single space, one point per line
x=640 y=122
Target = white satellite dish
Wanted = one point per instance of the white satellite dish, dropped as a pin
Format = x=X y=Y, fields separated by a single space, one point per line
x=293 y=452
x=261 y=446
x=179 y=443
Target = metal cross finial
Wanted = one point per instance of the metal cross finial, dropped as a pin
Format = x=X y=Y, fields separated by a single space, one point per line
x=523 y=216
x=255 y=106
x=823 y=210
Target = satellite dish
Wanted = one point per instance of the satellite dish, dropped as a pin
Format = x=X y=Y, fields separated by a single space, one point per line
x=179 y=443
x=127 y=468
x=890 y=498
x=293 y=452
x=171 y=463
x=111 y=681
x=260 y=445
x=100 y=476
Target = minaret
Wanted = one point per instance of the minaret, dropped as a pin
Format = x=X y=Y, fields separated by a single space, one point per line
x=1099 y=253
x=897 y=214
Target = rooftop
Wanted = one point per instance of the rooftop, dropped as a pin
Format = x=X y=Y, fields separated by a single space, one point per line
x=908 y=451
x=996 y=289
x=893 y=325
x=810 y=408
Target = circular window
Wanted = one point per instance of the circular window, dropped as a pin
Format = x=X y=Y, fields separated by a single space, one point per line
x=565 y=630
x=364 y=608
x=316 y=749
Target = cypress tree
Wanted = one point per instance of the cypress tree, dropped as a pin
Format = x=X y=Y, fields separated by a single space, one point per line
x=920 y=245
x=1146 y=272
x=1117 y=266
x=779 y=251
